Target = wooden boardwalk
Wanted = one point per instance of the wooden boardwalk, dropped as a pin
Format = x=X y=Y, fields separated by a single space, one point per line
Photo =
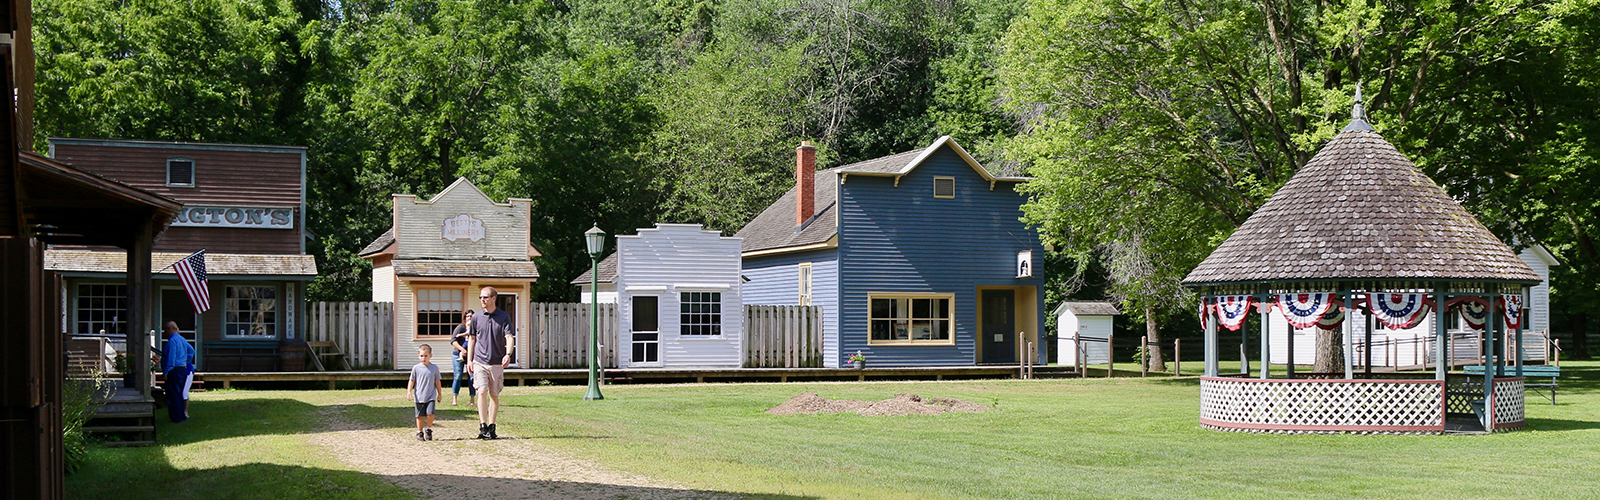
x=518 y=376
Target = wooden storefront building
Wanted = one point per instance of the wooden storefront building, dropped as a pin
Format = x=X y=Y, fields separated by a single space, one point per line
x=243 y=204
x=439 y=252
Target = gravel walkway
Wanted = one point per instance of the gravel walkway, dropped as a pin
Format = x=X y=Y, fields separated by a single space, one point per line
x=456 y=466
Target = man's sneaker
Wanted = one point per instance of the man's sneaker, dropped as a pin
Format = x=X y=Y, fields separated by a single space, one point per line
x=419 y=436
x=492 y=435
x=428 y=433
x=483 y=431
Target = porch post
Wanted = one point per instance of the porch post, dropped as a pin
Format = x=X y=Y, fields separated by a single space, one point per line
x=140 y=312
x=1441 y=333
x=1489 y=332
x=1367 y=315
x=1523 y=325
x=1266 y=335
x=1349 y=342
x=1211 y=340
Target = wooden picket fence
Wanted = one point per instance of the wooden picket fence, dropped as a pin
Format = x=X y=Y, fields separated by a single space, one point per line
x=559 y=334
x=364 y=331
x=782 y=337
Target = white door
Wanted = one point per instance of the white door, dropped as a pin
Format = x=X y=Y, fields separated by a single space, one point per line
x=645 y=330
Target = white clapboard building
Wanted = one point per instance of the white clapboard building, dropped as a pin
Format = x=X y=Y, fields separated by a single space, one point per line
x=1086 y=324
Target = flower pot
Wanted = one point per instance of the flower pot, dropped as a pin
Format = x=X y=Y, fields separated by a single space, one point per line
x=859 y=364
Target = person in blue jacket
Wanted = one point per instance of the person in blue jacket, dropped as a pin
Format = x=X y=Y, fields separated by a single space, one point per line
x=177 y=362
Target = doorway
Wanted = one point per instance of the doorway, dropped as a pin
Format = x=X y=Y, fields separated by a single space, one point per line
x=175 y=307
x=508 y=302
x=999 y=325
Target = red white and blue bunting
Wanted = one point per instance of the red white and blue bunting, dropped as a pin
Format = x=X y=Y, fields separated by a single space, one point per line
x=1474 y=311
x=1205 y=313
x=1399 y=311
x=1232 y=310
x=1512 y=307
x=1332 y=322
x=1304 y=310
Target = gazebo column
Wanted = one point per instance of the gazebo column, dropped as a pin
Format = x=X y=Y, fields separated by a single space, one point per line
x=1367 y=354
x=1266 y=336
x=1521 y=326
x=1441 y=335
x=1349 y=334
x=1489 y=332
x=1211 y=341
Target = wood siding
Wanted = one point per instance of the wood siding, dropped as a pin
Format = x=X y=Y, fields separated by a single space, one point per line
x=419 y=226
x=405 y=316
x=775 y=280
x=383 y=283
x=222 y=177
x=667 y=262
x=1070 y=326
x=1538 y=296
x=901 y=239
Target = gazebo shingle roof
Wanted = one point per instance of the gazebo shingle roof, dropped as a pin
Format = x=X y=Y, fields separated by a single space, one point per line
x=1360 y=210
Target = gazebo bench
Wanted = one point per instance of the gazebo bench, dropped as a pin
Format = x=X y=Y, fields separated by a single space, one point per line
x=1529 y=372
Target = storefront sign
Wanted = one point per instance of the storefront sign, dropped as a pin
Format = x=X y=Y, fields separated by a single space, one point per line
x=462 y=227
x=1025 y=264
x=245 y=217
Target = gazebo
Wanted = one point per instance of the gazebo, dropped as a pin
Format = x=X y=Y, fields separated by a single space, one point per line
x=1360 y=226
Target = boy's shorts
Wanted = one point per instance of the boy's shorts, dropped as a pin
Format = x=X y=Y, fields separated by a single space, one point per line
x=424 y=409
x=489 y=378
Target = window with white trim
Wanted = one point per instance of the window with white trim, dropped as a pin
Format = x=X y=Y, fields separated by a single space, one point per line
x=805 y=283
x=438 y=310
x=102 y=308
x=944 y=187
x=180 y=172
x=250 y=311
x=700 y=313
x=910 y=319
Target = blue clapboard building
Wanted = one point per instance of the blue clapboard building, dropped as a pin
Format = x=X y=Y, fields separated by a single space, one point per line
x=916 y=259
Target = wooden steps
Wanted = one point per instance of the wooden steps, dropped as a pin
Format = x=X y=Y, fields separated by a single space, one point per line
x=326 y=354
x=125 y=418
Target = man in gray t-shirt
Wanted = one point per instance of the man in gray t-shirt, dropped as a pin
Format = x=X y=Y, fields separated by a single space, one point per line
x=493 y=339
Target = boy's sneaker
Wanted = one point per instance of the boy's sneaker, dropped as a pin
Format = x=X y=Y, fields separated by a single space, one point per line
x=492 y=435
x=428 y=433
x=419 y=436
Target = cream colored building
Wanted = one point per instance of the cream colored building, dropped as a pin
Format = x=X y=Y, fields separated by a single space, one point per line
x=439 y=253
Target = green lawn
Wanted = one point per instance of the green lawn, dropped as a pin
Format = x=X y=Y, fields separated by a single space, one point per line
x=1094 y=438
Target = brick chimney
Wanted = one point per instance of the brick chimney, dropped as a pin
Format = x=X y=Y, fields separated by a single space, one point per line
x=805 y=178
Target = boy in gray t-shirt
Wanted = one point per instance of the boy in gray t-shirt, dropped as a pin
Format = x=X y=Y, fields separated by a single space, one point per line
x=425 y=388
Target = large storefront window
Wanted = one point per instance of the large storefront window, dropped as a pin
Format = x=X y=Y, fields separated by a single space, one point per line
x=438 y=311
x=102 y=308
x=910 y=320
x=250 y=311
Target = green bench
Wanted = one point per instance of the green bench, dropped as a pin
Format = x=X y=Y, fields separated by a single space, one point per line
x=1528 y=372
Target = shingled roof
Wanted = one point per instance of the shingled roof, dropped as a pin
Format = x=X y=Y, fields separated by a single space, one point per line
x=377 y=245
x=608 y=271
x=1359 y=210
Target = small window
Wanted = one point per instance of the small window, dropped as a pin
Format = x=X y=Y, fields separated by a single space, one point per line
x=102 y=308
x=944 y=187
x=805 y=283
x=438 y=311
x=180 y=172
x=910 y=320
x=701 y=313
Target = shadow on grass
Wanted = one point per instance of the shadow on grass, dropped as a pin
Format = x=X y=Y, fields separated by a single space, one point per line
x=443 y=486
x=1555 y=425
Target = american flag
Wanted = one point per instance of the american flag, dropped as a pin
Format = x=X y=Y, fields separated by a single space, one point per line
x=192 y=272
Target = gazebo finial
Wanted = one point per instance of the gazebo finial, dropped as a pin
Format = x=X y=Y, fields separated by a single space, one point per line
x=1358 y=114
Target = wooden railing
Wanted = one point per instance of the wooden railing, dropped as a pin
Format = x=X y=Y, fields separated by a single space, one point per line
x=782 y=337
x=363 y=331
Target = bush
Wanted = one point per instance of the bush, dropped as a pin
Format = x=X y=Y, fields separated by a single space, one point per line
x=80 y=399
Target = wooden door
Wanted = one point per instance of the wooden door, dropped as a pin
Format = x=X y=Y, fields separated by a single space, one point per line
x=998 y=326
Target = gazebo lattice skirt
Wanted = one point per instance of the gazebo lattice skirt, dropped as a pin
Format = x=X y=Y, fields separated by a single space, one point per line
x=1335 y=406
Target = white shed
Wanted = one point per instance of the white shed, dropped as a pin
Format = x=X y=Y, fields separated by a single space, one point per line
x=1088 y=322
x=678 y=291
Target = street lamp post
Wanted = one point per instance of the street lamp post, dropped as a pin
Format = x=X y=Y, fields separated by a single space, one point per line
x=595 y=240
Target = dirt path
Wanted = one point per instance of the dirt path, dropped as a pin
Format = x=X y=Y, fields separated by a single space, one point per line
x=456 y=466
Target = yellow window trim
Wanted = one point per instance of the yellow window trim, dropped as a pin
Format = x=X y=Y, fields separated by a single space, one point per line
x=913 y=295
x=936 y=180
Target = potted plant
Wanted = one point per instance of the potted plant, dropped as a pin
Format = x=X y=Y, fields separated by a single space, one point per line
x=859 y=360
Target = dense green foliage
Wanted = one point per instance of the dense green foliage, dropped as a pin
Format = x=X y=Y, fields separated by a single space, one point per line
x=1154 y=126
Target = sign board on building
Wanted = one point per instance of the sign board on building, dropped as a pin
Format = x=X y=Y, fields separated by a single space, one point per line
x=462 y=227
x=1025 y=264
x=242 y=217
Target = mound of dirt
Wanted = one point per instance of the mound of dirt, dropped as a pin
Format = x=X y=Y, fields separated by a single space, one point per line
x=901 y=404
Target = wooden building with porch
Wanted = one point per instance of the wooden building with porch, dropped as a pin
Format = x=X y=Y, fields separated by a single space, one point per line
x=437 y=255
x=243 y=204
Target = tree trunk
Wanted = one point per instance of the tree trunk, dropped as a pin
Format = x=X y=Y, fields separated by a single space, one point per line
x=1578 y=323
x=1330 y=352
x=1151 y=329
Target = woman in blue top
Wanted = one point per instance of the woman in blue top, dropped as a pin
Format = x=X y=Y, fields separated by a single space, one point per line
x=458 y=342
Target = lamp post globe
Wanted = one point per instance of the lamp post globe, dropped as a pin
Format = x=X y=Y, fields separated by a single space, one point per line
x=595 y=242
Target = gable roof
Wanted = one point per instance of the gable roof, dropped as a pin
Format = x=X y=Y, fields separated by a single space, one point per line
x=1088 y=308
x=1360 y=210
x=378 y=245
x=608 y=271
x=773 y=230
